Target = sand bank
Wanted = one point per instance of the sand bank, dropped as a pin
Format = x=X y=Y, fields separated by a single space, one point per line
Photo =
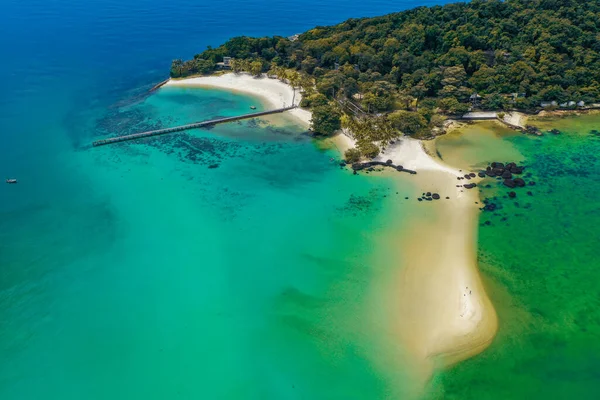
x=444 y=313
x=272 y=92
x=439 y=306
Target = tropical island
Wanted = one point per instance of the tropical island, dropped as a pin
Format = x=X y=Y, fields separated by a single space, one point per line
x=407 y=72
x=387 y=82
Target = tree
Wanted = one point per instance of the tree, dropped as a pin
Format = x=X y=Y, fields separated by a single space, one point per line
x=493 y=102
x=236 y=65
x=325 y=120
x=408 y=122
x=256 y=68
x=177 y=68
x=352 y=155
x=294 y=79
x=452 y=106
x=314 y=100
x=368 y=149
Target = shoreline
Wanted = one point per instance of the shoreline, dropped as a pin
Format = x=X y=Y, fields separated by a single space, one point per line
x=272 y=92
x=430 y=311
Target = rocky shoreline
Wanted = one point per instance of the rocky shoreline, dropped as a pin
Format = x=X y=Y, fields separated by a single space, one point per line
x=369 y=166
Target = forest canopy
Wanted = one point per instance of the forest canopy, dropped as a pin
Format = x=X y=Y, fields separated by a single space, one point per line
x=413 y=65
x=540 y=50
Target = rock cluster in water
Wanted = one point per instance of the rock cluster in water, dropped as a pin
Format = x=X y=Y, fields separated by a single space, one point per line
x=429 y=196
x=505 y=173
x=532 y=130
x=369 y=166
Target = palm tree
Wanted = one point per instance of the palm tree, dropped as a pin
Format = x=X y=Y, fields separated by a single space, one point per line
x=245 y=65
x=294 y=78
x=177 y=67
x=274 y=71
x=283 y=75
x=236 y=65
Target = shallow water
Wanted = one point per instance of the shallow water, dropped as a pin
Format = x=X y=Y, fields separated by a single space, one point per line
x=235 y=262
x=136 y=271
x=474 y=145
x=539 y=259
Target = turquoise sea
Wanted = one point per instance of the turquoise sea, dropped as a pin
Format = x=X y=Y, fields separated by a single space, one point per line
x=135 y=271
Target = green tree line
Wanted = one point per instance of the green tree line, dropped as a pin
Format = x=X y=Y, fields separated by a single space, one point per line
x=514 y=54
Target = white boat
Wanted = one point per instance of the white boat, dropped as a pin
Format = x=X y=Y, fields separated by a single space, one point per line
x=11 y=181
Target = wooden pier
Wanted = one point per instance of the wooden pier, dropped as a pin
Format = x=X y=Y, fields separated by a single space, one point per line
x=159 y=85
x=180 y=128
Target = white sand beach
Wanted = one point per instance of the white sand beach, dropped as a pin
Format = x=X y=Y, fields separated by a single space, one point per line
x=273 y=92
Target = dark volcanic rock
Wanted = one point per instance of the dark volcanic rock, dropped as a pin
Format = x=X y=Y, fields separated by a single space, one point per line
x=470 y=185
x=481 y=174
x=555 y=131
x=342 y=163
x=519 y=182
x=370 y=164
x=490 y=207
x=512 y=195
x=435 y=196
x=472 y=175
x=507 y=175
x=490 y=173
x=389 y=162
x=420 y=199
x=211 y=166
x=467 y=176
x=529 y=193
x=497 y=165
x=428 y=194
x=509 y=183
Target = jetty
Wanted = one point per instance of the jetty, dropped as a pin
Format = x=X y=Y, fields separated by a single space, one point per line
x=196 y=125
x=159 y=85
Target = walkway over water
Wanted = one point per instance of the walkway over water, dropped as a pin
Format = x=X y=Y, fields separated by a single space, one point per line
x=180 y=128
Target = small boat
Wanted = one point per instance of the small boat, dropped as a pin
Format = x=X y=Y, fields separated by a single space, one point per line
x=253 y=107
x=11 y=181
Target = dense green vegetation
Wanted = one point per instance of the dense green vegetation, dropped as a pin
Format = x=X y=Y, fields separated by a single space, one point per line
x=513 y=54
